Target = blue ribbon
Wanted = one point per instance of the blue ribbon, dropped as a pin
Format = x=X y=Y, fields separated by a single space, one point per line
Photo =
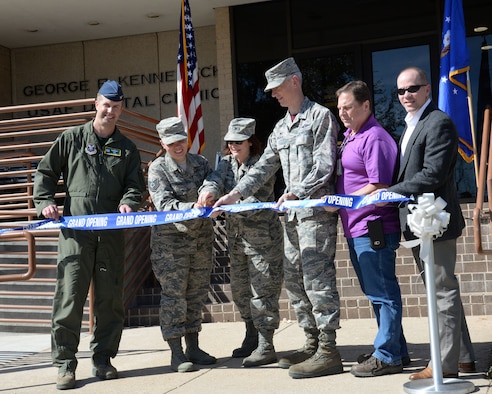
x=111 y=221
x=348 y=201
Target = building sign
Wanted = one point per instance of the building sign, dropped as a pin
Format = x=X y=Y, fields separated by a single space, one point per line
x=48 y=92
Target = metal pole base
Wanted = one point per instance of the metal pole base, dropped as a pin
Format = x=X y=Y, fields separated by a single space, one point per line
x=451 y=386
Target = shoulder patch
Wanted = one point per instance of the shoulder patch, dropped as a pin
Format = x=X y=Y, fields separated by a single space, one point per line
x=153 y=184
x=90 y=149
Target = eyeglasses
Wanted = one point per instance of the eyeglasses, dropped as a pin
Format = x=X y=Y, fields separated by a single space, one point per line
x=410 y=89
x=234 y=142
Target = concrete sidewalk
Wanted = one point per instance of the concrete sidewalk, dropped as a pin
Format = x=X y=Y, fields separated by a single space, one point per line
x=143 y=362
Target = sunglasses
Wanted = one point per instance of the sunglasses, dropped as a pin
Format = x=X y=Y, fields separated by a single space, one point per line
x=234 y=142
x=410 y=89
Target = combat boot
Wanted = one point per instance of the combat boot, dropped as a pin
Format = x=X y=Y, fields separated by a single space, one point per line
x=326 y=360
x=265 y=352
x=65 y=380
x=104 y=370
x=179 y=362
x=302 y=354
x=194 y=353
x=250 y=341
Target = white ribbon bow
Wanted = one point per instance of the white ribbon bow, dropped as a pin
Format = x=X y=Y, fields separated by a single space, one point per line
x=428 y=221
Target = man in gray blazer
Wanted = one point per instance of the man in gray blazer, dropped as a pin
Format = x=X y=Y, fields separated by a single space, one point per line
x=428 y=153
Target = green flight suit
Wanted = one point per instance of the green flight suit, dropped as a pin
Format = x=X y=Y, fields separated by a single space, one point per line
x=99 y=177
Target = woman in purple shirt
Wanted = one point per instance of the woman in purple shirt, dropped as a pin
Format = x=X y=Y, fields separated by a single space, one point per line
x=366 y=162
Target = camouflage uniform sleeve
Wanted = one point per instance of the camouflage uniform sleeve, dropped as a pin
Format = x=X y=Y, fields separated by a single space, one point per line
x=162 y=188
x=265 y=192
x=325 y=130
x=264 y=169
x=205 y=165
x=216 y=180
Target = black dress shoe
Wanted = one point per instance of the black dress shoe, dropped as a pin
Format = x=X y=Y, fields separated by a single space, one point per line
x=467 y=367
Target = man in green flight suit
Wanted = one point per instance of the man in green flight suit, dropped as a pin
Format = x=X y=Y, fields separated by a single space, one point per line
x=101 y=169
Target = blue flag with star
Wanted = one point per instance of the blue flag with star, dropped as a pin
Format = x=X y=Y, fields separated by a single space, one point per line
x=455 y=64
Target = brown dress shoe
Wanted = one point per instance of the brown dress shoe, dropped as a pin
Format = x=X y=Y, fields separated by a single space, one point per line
x=427 y=374
x=467 y=367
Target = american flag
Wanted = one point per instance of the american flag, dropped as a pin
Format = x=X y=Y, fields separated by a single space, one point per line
x=189 y=107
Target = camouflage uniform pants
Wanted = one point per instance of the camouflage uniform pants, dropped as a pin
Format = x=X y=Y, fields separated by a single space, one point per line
x=184 y=276
x=257 y=272
x=309 y=270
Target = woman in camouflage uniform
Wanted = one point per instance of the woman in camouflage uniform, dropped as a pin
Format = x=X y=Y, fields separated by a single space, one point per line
x=255 y=245
x=181 y=252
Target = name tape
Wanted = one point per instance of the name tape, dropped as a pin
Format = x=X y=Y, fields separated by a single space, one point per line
x=111 y=221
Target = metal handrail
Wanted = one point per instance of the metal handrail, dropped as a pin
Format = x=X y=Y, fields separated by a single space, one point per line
x=53 y=104
x=17 y=205
x=484 y=184
x=42 y=120
x=31 y=256
x=28 y=145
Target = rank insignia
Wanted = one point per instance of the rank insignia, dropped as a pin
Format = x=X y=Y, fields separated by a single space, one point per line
x=153 y=184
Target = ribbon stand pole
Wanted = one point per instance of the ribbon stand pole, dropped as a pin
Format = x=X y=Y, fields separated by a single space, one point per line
x=428 y=221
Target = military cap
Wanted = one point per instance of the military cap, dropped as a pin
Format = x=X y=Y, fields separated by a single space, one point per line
x=240 y=129
x=111 y=90
x=278 y=73
x=171 y=130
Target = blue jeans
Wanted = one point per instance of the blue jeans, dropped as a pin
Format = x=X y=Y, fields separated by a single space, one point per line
x=375 y=270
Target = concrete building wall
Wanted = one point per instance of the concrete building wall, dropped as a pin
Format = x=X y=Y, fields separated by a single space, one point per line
x=224 y=65
x=145 y=65
x=5 y=77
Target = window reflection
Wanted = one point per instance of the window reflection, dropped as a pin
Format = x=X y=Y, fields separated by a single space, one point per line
x=386 y=66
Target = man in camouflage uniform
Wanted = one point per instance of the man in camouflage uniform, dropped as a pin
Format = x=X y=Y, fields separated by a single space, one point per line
x=303 y=144
x=255 y=245
x=102 y=173
x=181 y=253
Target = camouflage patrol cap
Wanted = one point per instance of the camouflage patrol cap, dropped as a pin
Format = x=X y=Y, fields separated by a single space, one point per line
x=240 y=129
x=171 y=130
x=277 y=74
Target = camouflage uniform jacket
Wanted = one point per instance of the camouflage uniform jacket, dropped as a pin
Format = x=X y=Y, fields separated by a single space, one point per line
x=172 y=188
x=305 y=149
x=97 y=179
x=225 y=178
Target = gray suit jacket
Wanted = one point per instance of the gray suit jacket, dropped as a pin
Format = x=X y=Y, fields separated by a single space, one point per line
x=428 y=166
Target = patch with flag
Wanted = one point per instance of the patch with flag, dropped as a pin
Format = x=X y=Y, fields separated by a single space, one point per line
x=189 y=105
x=455 y=64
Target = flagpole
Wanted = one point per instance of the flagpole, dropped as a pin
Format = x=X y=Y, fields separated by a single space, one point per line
x=472 y=125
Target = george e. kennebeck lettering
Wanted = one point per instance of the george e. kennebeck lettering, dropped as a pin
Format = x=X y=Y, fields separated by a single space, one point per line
x=50 y=91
